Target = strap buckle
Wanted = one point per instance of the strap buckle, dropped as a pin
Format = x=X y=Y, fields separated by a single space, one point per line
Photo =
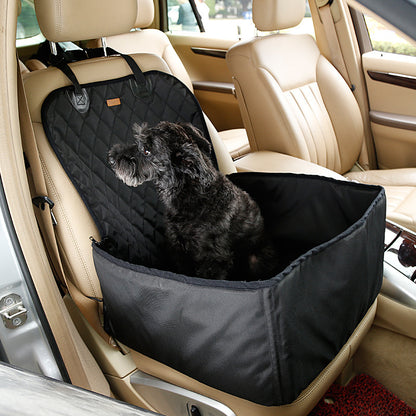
x=40 y=201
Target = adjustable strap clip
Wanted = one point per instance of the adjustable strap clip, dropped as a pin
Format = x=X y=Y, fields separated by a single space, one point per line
x=78 y=98
x=40 y=201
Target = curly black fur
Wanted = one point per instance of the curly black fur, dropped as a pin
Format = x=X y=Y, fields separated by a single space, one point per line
x=214 y=228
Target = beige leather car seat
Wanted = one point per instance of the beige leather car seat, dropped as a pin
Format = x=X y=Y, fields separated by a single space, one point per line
x=294 y=101
x=74 y=21
x=142 y=40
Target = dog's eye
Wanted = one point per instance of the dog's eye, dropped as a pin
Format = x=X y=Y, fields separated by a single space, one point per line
x=111 y=161
x=146 y=152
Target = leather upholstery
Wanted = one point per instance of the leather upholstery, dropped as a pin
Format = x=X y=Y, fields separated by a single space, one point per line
x=295 y=102
x=310 y=113
x=62 y=21
x=277 y=14
x=279 y=162
x=145 y=13
x=236 y=142
x=151 y=41
x=23 y=68
x=400 y=187
x=34 y=64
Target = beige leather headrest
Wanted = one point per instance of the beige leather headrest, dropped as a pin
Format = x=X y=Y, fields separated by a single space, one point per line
x=72 y=20
x=277 y=14
x=145 y=13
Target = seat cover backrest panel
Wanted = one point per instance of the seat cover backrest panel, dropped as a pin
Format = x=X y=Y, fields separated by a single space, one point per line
x=81 y=142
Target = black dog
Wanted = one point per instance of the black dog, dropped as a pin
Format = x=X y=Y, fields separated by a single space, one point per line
x=214 y=228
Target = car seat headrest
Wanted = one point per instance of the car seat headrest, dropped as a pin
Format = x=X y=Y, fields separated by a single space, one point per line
x=145 y=13
x=73 y=20
x=277 y=14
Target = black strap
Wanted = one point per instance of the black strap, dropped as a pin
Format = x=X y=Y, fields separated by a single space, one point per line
x=60 y=63
x=139 y=88
x=137 y=72
x=135 y=69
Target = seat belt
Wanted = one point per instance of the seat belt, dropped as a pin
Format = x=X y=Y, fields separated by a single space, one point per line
x=337 y=59
x=324 y=7
x=90 y=308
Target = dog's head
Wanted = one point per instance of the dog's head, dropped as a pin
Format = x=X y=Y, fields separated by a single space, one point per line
x=136 y=163
x=166 y=153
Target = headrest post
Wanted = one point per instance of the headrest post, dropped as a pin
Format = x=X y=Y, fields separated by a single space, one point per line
x=104 y=45
x=52 y=45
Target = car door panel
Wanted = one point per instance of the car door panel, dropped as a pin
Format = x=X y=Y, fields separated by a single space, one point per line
x=391 y=86
x=204 y=59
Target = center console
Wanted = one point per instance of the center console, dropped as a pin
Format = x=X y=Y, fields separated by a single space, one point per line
x=400 y=264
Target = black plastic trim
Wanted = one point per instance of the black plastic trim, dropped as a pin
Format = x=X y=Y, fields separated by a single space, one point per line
x=216 y=53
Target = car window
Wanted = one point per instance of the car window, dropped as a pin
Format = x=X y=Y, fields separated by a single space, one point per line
x=384 y=39
x=28 y=32
x=222 y=18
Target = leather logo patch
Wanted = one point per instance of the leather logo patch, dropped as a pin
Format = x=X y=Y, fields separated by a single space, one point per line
x=113 y=101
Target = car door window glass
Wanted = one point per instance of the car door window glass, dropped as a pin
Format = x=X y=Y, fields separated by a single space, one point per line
x=222 y=18
x=28 y=31
x=384 y=39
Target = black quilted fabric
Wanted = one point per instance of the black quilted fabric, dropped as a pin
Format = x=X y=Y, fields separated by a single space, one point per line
x=129 y=219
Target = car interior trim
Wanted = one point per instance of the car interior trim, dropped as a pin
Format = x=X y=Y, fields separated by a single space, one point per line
x=393 y=120
x=216 y=53
x=222 y=87
x=406 y=81
x=174 y=397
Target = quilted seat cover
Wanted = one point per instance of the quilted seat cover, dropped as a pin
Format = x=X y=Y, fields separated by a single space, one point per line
x=129 y=219
x=262 y=341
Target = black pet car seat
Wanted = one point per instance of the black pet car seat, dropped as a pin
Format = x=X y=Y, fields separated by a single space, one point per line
x=262 y=341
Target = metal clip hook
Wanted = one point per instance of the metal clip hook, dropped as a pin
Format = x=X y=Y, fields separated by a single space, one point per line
x=40 y=201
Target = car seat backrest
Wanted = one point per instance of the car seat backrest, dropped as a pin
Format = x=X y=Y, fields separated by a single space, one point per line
x=147 y=40
x=141 y=40
x=292 y=99
x=75 y=225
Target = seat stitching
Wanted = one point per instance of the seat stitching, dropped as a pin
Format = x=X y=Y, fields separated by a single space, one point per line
x=335 y=142
x=311 y=145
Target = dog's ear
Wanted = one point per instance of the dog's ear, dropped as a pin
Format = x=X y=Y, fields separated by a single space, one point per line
x=185 y=157
x=196 y=135
x=189 y=162
x=138 y=129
